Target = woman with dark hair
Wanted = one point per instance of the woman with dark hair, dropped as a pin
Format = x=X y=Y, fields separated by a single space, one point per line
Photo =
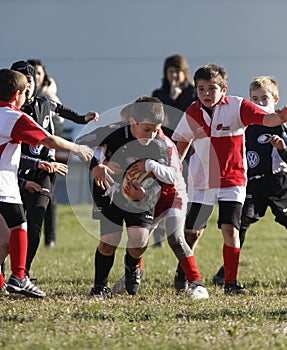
x=176 y=91
x=46 y=86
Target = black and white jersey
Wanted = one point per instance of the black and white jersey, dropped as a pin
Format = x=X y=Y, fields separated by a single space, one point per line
x=262 y=157
x=122 y=147
x=43 y=110
x=40 y=110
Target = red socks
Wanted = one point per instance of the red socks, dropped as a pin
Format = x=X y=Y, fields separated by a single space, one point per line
x=18 y=252
x=231 y=261
x=141 y=264
x=190 y=269
x=2 y=281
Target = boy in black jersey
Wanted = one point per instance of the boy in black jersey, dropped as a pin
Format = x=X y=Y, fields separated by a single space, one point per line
x=42 y=110
x=267 y=165
x=125 y=143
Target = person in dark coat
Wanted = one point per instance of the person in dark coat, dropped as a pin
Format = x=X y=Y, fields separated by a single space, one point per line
x=176 y=93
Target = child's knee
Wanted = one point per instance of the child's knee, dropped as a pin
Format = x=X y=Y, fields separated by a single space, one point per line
x=179 y=246
x=106 y=249
x=192 y=236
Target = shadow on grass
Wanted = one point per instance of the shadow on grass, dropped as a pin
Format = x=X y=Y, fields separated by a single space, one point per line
x=280 y=315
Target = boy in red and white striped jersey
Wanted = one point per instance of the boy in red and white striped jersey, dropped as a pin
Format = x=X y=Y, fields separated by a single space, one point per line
x=17 y=127
x=215 y=125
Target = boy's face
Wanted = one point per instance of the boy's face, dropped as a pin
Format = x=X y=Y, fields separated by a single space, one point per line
x=144 y=131
x=209 y=93
x=30 y=87
x=263 y=98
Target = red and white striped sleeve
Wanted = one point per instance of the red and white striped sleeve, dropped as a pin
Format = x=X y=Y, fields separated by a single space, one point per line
x=27 y=130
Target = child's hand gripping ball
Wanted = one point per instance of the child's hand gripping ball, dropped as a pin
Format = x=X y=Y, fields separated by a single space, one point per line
x=136 y=181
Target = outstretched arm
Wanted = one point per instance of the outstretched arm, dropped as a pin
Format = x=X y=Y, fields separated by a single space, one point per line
x=61 y=144
x=277 y=118
x=92 y=116
x=69 y=114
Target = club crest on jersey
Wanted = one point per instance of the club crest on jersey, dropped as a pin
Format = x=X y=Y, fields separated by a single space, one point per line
x=219 y=127
x=36 y=150
x=223 y=128
x=252 y=159
x=46 y=121
x=264 y=138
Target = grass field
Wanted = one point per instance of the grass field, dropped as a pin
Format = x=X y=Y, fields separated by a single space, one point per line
x=156 y=318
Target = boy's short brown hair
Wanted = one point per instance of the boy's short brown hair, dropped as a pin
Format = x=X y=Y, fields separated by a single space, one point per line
x=150 y=108
x=10 y=82
x=211 y=72
x=126 y=112
x=265 y=82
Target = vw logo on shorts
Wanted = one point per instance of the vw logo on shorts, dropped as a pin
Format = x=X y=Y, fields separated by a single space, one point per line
x=252 y=159
x=264 y=138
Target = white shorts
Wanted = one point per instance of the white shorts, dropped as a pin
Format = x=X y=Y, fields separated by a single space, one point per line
x=213 y=195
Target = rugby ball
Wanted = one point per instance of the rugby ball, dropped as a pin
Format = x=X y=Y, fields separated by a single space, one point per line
x=145 y=180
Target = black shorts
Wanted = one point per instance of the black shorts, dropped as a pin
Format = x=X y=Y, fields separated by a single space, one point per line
x=199 y=214
x=12 y=213
x=112 y=219
x=269 y=191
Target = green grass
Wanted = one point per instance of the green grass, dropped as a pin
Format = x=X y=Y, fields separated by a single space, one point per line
x=156 y=318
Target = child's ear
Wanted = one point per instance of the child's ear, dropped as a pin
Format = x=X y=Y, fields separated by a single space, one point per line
x=15 y=97
x=224 y=89
x=132 y=121
x=276 y=100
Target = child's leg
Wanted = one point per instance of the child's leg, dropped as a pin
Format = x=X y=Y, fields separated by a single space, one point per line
x=36 y=205
x=196 y=220
x=4 y=242
x=18 y=282
x=14 y=228
x=192 y=237
x=231 y=251
x=247 y=218
x=18 y=250
x=4 y=248
x=229 y=220
x=178 y=244
x=50 y=222
x=137 y=243
x=104 y=257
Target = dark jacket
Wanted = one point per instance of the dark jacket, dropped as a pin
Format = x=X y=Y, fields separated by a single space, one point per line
x=42 y=110
x=173 y=115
